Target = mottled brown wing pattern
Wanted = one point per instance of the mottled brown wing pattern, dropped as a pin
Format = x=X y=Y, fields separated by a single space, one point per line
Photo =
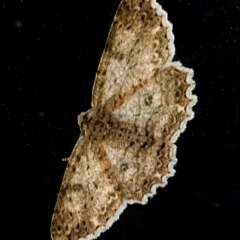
x=159 y=103
x=138 y=44
x=141 y=103
x=141 y=145
x=89 y=195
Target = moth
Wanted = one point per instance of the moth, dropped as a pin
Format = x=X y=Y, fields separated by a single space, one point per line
x=141 y=102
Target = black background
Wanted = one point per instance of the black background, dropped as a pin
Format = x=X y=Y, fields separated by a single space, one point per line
x=49 y=56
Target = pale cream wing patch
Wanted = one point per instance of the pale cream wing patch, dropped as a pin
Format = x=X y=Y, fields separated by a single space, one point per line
x=162 y=103
x=141 y=147
x=140 y=42
x=89 y=196
x=139 y=167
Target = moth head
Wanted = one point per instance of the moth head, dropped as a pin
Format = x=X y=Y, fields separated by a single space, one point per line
x=83 y=120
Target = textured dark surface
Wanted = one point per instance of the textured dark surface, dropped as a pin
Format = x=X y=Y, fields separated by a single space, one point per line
x=49 y=57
